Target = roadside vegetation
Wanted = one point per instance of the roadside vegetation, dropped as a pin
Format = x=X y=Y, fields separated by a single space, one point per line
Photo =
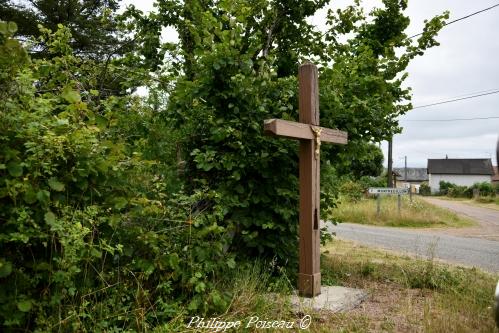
x=408 y=294
x=121 y=212
x=405 y=294
x=483 y=194
x=418 y=214
x=480 y=194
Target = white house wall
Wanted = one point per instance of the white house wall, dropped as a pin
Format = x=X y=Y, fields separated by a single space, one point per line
x=462 y=180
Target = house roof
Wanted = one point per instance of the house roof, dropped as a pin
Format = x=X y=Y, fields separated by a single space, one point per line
x=455 y=166
x=413 y=174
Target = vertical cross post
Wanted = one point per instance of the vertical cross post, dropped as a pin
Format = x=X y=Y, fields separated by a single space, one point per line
x=310 y=135
x=309 y=277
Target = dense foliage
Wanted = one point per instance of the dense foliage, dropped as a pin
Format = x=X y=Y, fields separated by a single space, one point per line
x=234 y=78
x=424 y=189
x=92 y=23
x=86 y=223
x=118 y=212
x=457 y=191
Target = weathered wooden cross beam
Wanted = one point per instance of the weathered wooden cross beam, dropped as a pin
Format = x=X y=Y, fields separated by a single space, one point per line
x=310 y=135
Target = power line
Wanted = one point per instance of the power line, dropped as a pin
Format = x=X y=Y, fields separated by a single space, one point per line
x=456 y=99
x=474 y=93
x=454 y=119
x=463 y=18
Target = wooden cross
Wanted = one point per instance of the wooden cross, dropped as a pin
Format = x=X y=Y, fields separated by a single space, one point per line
x=310 y=135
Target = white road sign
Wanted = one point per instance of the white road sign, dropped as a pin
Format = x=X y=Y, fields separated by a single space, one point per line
x=387 y=190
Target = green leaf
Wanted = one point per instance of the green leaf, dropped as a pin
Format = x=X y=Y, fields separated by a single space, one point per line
x=70 y=95
x=101 y=122
x=231 y=263
x=15 y=169
x=50 y=218
x=30 y=196
x=96 y=253
x=12 y=27
x=62 y=122
x=120 y=203
x=3 y=28
x=56 y=185
x=71 y=291
x=200 y=287
x=24 y=306
x=5 y=268
x=43 y=196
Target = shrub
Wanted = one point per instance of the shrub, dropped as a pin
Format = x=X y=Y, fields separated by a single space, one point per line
x=87 y=230
x=445 y=186
x=457 y=191
x=485 y=188
x=424 y=189
x=352 y=190
x=366 y=182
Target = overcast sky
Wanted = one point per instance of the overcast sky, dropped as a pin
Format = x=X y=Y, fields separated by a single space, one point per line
x=466 y=62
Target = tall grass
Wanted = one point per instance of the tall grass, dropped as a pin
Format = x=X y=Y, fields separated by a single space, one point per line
x=418 y=214
x=424 y=295
x=406 y=295
x=257 y=289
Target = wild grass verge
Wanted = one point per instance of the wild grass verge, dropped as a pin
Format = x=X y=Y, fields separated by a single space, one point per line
x=418 y=214
x=405 y=295
x=408 y=294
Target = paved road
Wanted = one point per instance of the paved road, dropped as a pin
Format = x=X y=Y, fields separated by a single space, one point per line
x=471 y=252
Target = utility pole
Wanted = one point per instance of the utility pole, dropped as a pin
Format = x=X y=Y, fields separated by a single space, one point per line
x=405 y=169
x=390 y=175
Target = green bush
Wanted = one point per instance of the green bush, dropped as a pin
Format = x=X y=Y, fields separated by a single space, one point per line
x=445 y=186
x=89 y=238
x=457 y=191
x=424 y=189
x=352 y=190
x=485 y=188
x=366 y=182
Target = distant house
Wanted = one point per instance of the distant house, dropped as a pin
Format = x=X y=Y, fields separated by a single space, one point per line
x=464 y=172
x=415 y=176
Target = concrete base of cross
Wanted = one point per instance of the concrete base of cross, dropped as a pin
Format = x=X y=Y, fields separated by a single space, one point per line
x=331 y=299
